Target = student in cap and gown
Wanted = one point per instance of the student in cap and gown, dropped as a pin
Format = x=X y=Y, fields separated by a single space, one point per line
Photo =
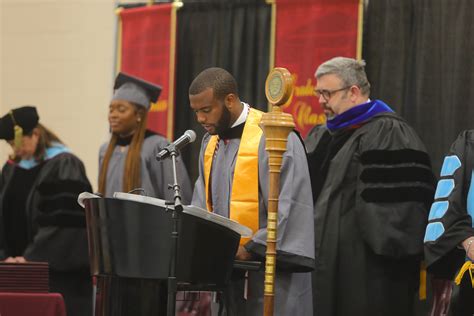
x=127 y=161
x=40 y=219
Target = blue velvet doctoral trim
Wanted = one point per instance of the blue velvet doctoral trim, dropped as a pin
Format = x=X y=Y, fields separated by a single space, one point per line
x=54 y=150
x=357 y=115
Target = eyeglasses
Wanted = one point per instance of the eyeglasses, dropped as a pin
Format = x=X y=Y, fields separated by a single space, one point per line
x=327 y=94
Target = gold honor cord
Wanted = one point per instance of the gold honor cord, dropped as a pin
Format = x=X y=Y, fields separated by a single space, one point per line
x=468 y=266
x=276 y=126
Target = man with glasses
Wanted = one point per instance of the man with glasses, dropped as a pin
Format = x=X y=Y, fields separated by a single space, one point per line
x=372 y=186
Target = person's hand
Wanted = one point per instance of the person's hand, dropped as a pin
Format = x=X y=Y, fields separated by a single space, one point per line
x=15 y=260
x=243 y=254
x=468 y=245
x=442 y=289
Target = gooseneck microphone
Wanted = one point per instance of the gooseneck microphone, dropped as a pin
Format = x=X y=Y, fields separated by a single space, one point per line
x=188 y=137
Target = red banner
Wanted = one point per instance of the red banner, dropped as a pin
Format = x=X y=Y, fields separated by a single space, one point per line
x=145 y=53
x=307 y=34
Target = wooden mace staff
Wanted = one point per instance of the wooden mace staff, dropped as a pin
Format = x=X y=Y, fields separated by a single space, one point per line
x=276 y=126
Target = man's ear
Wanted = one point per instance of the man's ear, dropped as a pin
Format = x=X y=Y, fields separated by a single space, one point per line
x=229 y=100
x=355 y=93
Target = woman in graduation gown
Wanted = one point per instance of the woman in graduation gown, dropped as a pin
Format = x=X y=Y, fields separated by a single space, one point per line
x=127 y=161
x=40 y=219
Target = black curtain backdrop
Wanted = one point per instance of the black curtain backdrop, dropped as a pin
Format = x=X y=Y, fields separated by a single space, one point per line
x=233 y=35
x=419 y=60
x=419 y=56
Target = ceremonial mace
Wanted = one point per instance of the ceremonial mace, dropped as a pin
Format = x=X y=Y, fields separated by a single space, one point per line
x=276 y=126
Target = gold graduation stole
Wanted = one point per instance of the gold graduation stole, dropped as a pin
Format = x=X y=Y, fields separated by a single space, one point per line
x=244 y=195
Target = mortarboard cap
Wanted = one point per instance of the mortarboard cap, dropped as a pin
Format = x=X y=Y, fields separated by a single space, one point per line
x=135 y=90
x=25 y=117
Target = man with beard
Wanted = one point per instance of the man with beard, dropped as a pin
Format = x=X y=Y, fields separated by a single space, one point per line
x=233 y=182
x=372 y=186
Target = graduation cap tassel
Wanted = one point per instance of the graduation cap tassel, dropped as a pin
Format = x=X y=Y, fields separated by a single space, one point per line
x=276 y=126
x=18 y=132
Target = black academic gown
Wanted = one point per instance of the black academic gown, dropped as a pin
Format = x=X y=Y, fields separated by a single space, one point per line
x=55 y=227
x=454 y=213
x=372 y=186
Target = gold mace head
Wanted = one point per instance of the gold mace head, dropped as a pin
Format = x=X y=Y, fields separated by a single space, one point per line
x=278 y=89
x=279 y=86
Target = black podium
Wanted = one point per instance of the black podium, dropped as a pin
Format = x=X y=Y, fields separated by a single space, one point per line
x=130 y=252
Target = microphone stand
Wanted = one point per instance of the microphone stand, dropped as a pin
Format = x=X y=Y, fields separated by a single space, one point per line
x=175 y=213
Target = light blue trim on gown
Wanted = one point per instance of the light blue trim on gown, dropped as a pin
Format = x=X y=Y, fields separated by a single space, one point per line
x=54 y=150
x=444 y=188
x=434 y=231
x=470 y=199
x=450 y=165
x=438 y=209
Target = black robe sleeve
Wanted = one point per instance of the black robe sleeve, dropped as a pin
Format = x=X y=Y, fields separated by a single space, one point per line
x=5 y=175
x=394 y=190
x=450 y=219
x=58 y=222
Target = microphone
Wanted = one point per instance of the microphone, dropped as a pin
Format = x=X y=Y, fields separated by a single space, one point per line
x=188 y=137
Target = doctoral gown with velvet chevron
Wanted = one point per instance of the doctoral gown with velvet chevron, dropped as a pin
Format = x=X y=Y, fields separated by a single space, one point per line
x=372 y=187
x=41 y=220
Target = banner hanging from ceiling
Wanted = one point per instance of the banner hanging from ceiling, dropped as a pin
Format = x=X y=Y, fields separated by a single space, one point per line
x=147 y=51
x=309 y=32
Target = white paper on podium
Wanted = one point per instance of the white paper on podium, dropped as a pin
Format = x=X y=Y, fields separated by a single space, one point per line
x=84 y=196
x=242 y=230
x=141 y=199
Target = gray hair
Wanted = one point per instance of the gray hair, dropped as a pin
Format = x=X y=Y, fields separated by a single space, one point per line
x=349 y=70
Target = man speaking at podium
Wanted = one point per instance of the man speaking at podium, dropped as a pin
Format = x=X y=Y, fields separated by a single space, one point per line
x=233 y=182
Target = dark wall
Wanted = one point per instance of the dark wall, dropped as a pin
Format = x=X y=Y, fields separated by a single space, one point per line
x=233 y=35
x=419 y=56
x=420 y=61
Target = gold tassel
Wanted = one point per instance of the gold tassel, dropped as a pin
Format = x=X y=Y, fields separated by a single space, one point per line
x=18 y=132
x=468 y=265
x=18 y=136
x=422 y=289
